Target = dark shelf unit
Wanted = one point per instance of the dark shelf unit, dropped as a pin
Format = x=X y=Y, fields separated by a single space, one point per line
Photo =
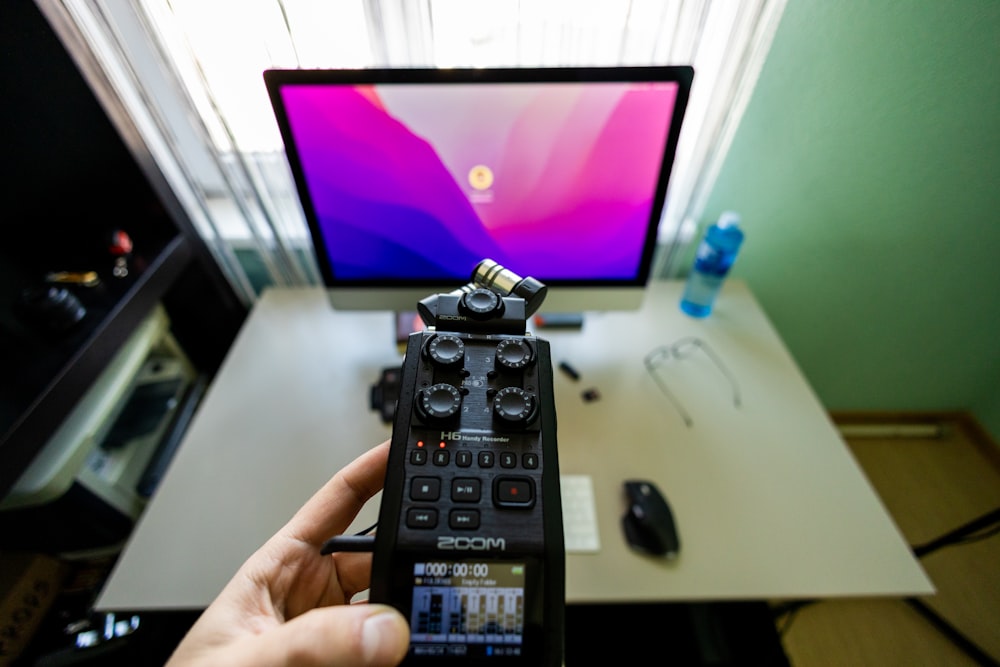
x=74 y=172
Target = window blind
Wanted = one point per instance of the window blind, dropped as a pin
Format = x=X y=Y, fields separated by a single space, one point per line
x=188 y=73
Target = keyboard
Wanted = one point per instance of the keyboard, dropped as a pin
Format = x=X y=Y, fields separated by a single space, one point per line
x=579 y=514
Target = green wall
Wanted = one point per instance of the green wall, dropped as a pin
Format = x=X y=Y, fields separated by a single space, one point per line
x=867 y=171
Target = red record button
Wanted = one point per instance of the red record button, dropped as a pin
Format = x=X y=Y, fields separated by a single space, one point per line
x=516 y=492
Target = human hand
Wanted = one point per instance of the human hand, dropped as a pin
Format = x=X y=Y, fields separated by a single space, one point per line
x=288 y=605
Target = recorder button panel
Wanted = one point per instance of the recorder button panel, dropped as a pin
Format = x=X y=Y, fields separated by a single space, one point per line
x=474 y=452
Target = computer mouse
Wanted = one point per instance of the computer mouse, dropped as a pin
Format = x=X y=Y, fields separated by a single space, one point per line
x=648 y=522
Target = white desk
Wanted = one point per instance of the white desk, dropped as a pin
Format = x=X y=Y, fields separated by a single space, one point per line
x=768 y=500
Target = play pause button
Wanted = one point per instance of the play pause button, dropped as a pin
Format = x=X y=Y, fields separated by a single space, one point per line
x=465 y=490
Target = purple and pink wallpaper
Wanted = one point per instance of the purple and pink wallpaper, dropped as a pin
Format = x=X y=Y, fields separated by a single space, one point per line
x=422 y=181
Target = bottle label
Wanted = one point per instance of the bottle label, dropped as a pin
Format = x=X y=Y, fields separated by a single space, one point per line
x=706 y=253
x=702 y=287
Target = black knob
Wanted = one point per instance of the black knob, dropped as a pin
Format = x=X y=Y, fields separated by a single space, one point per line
x=446 y=350
x=514 y=354
x=439 y=402
x=514 y=406
x=481 y=304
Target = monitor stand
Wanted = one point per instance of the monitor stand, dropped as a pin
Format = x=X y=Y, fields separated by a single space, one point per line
x=559 y=320
x=408 y=322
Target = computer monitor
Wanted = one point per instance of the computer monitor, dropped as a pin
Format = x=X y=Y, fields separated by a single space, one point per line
x=409 y=177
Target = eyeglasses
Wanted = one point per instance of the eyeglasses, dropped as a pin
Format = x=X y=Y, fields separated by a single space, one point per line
x=681 y=350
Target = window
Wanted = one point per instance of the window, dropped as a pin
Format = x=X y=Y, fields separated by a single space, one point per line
x=189 y=73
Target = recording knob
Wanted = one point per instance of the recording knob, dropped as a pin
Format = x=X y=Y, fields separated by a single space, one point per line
x=481 y=304
x=446 y=351
x=439 y=402
x=514 y=405
x=514 y=354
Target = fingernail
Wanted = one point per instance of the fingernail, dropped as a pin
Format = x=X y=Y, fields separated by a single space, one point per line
x=384 y=638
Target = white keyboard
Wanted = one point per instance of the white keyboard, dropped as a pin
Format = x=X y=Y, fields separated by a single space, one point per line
x=579 y=514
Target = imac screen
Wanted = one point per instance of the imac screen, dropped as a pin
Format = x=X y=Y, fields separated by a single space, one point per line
x=414 y=177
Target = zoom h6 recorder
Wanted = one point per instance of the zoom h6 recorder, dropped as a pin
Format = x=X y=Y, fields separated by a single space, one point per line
x=469 y=544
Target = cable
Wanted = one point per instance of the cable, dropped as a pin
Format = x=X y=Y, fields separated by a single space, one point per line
x=992 y=532
x=978 y=529
x=787 y=624
x=368 y=529
x=348 y=543
x=359 y=542
x=788 y=611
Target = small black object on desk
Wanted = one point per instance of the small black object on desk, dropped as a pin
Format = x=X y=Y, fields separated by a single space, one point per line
x=648 y=522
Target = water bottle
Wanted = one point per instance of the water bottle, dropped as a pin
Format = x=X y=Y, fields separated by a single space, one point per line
x=716 y=255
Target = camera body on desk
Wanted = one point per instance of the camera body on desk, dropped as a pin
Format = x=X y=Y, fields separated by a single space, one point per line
x=470 y=544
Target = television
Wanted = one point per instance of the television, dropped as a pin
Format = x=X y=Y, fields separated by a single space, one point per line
x=409 y=177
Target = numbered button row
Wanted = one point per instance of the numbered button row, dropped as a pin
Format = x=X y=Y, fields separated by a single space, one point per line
x=465 y=457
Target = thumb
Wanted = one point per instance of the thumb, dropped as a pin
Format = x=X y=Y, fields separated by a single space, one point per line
x=360 y=635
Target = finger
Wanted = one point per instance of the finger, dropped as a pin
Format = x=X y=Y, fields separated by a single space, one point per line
x=370 y=635
x=354 y=572
x=332 y=508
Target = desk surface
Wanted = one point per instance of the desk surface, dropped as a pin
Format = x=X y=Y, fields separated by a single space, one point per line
x=768 y=500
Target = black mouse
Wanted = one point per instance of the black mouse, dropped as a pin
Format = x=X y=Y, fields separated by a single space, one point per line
x=648 y=522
